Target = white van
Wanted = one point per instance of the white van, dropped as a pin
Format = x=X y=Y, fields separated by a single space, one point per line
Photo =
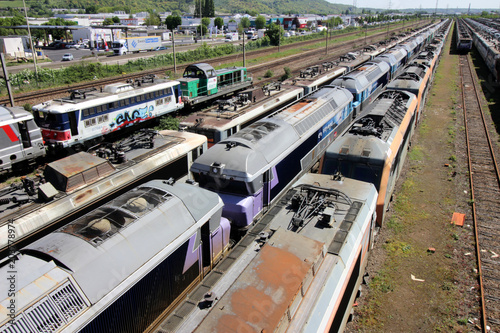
x=231 y=36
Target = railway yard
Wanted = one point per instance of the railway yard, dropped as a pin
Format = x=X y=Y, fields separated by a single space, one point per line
x=361 y=194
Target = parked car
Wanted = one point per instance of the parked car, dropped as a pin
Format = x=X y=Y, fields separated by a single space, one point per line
x=57 y=45
x=287 y=34
x=67 y=57
x=74 y=46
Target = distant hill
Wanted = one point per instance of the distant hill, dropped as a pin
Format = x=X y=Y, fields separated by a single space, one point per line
x=221 y=6
x=280 y=6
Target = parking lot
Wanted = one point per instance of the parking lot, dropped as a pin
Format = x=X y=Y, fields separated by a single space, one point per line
x=56 y=54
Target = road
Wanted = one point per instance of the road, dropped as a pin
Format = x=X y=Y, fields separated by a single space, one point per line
x=56 y=55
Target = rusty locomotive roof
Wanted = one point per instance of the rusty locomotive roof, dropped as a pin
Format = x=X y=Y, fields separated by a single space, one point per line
x=76 y=171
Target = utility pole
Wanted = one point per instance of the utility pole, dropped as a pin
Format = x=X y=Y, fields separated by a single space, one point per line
x=388 y=23
x=7 y=80
x=279 y=34
x=31 y=40
x=327 y=23
x=201 y=29
x=366 y=32
x=173 y=50
x=244 y=55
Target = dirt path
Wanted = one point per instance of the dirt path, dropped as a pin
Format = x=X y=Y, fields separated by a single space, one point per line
x=432 y=187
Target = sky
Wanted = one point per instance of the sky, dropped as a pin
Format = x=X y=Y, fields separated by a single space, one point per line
x=403 y=4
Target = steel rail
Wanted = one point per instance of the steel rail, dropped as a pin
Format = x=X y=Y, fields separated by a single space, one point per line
x=466 y=69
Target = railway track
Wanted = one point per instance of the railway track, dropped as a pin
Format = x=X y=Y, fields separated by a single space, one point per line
x=302 y=60
x=485 y=196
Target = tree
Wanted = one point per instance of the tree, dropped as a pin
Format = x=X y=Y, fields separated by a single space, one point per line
x=245 y=22
x=296 y=22
x=91 y=9
x=205 y=21
x=116 y=19
x=199 y=8
x=40 y=9
x=58 y=33
x=18 y=19
x=107 y=21
x=209 y=9
x=335 y=21
x=275 y=33
x=203 y=29
x=260 y=22
x=172 y=22
x=152 y=19
x=218 y=22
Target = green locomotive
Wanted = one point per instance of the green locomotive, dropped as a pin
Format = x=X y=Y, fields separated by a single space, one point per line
x=201 y=82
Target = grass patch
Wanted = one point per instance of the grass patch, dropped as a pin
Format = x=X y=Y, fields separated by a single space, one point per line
x=451 y=132
x=382 y=283
x=403 y=204
x=398 y=248
x=395 y=224
x=423 y=127
x=12 y=4
x=416 y=154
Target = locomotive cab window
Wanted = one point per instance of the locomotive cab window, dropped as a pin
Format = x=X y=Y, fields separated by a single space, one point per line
x=25 y=134
x=237 y=76
x=221 y=185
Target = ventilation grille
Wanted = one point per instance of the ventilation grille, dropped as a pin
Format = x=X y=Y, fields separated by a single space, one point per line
x=313 y=119
x=340 y=236
x=68 y=301
x=373 y=74
x=49 y=314
x=44 y=316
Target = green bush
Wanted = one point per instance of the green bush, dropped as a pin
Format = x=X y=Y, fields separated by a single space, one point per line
x=269 y=73
x=288 y=74
x=168 y=123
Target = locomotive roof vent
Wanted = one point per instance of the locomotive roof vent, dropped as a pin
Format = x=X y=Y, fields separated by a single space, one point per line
x=107 y=220
x=119 y=87
x=80 y=93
